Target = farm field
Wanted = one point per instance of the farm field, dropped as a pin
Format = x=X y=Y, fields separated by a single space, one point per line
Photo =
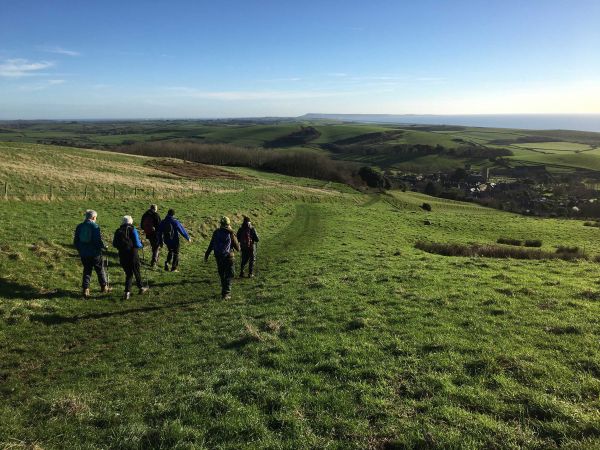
x=349 y=336
x=551 y=147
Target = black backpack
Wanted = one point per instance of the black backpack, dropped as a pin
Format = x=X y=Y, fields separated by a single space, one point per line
x=169 y=231
x=123 y=238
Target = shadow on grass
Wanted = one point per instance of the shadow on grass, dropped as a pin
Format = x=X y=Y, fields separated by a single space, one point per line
x=10 y=290
x=180 y=283
x=237 y=344
x=57 y=319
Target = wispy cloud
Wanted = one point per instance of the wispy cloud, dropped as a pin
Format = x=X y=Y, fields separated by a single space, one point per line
x=59 y=50
x=278 y=80
x=250 y=95
x=41 y=86
x=16 y=68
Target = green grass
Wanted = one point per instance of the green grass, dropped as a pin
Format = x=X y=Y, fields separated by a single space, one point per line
x=348 y=337
x=566 y=160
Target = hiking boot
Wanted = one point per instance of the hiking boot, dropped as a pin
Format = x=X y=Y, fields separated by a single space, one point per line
x=143 y=290
x=227 y=297
x=105 y=289
x=250 y=275
x=241 y=274
x=86 y=293
x=174 y=270
x=166 y=267
x=126 y=295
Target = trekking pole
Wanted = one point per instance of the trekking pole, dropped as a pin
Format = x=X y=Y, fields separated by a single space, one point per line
x=145 y=269
x=107 y=274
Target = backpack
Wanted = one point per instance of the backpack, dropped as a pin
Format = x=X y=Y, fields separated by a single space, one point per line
x=85 y=233
x=247 y=241
x=222 y=242
x=148 y=225
x=169 y=231
x=122 y=240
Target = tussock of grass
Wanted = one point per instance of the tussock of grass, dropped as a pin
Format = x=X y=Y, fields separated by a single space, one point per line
x=493 y=251
x=357 y=323
x=518 y=243
x=591 y=224
x=70 y=405
x=563 y=250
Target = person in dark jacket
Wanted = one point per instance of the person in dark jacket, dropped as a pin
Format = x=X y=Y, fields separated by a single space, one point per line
x=223 y=243
x=127 y=241
x=168 y=232
x=248 y=239
x=88 y=242
x=150 y=223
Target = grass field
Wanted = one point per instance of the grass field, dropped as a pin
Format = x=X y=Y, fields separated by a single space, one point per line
x=348 y=337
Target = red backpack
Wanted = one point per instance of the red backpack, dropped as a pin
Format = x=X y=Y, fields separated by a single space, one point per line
x=247 y=241
x=148 y=225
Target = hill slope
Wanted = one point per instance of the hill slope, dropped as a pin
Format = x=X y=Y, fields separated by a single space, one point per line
x=348 y=337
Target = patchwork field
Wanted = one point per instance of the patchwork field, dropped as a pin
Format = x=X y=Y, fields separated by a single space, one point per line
x=557 y=149
x=349 y=337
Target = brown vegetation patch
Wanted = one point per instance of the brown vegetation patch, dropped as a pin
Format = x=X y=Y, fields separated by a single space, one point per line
x=493 y=251
x=193 y=170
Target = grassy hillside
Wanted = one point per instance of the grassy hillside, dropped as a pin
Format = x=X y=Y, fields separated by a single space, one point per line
x=349 y=337
x=577 y=149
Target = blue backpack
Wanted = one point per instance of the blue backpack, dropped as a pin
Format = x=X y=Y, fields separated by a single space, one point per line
x=222 y=242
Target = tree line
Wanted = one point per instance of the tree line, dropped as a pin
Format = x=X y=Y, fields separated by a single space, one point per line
x=295 y=163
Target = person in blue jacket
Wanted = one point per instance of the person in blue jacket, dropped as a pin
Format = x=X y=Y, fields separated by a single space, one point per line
x=223 y=243
x=88 y=242
x=127 y=241
x=168 y=233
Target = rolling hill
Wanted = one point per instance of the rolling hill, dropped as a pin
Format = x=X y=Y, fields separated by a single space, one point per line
x=349 y=336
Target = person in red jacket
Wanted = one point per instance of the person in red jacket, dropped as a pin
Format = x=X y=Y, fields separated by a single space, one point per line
x=248 y=239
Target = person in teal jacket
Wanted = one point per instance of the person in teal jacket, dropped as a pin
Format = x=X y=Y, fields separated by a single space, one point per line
x=88 y=242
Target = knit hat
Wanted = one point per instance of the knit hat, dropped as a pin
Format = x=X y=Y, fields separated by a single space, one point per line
x=225 y=222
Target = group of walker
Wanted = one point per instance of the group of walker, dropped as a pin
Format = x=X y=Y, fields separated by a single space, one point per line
x=224 y=242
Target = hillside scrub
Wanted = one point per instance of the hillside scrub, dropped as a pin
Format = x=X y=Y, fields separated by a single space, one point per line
x=294 y=163
x=494 y=251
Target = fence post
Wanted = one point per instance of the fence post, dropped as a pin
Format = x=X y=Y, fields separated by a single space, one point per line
x=50 y=192
x=85 y=193
x=6 y=190
x=135 y=191
x=152 y=191
x=114 y=191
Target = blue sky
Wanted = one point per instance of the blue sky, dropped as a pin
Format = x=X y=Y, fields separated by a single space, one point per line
x=159 y=59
